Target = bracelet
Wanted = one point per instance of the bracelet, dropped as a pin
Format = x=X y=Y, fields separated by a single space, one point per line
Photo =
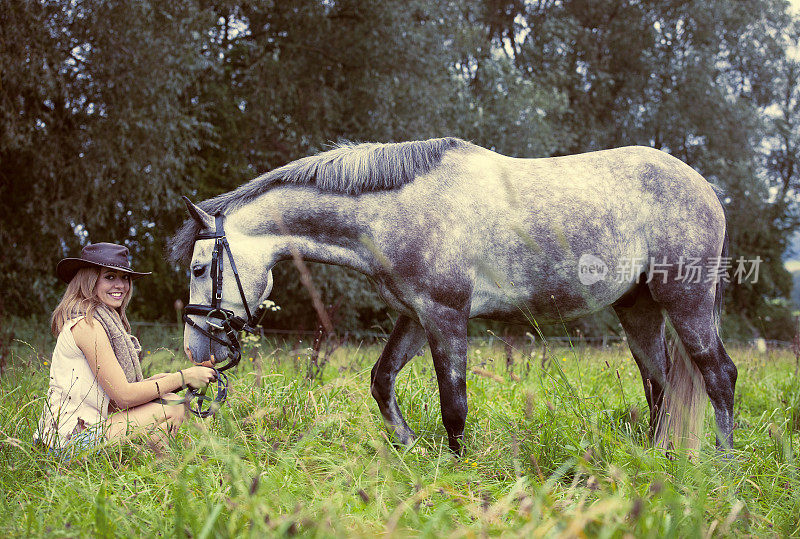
x=183 y=380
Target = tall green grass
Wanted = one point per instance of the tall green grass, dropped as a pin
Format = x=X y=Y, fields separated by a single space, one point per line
x=553 y=448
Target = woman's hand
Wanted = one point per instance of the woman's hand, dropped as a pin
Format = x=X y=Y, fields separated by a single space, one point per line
x=198 y=377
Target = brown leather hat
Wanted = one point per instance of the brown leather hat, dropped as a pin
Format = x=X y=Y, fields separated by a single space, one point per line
x=104 y=255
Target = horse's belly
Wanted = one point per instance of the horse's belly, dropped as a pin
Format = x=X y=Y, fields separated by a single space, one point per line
x=552 y=297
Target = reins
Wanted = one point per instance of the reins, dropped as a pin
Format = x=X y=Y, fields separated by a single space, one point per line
x=198 y=402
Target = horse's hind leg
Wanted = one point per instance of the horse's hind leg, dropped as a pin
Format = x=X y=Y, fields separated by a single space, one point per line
x=405 y=341
x=644 y=324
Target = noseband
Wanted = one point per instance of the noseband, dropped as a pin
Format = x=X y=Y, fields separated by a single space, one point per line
x=219 y=320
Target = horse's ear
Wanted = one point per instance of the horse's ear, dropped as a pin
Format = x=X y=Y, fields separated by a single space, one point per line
x=202 y=218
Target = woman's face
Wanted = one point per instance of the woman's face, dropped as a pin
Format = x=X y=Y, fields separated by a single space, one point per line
x=112 y=286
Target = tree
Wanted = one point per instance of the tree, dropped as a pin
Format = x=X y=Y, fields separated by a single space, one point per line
x=112 y=110
x=691 y=78
x=96 y=134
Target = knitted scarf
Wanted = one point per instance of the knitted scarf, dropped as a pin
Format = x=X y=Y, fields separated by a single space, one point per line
x=126 y=347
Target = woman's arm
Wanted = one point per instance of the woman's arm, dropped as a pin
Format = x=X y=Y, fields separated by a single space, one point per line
x=157 y=376
x=94 y=343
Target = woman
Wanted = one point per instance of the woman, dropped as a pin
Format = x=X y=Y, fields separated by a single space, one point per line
x=97 y=390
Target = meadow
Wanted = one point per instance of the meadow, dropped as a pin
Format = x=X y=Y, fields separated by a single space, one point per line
x=556 y=445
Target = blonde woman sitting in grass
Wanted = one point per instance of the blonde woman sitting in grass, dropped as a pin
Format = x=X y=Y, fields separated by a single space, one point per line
x=97 y=391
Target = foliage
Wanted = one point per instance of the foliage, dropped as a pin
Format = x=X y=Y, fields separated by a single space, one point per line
x=98 y=129
x=555 y=447
x=137 y=103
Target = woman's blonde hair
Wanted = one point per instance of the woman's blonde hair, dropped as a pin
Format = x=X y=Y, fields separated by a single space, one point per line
x=81 y=297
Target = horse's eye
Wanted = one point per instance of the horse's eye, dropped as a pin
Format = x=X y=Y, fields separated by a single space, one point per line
x=199 y=271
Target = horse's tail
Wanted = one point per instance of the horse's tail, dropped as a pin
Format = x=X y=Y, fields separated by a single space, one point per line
x=680 y=419
x=720 y=292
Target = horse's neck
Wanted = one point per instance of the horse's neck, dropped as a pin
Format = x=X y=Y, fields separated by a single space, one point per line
x=318 y=226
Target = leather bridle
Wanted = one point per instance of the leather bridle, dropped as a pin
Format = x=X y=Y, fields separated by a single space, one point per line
x=218 y=320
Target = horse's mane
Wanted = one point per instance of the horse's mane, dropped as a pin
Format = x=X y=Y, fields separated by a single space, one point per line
x=347 y=168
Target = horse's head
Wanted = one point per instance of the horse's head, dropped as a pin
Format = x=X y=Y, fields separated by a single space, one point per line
x=229 y=280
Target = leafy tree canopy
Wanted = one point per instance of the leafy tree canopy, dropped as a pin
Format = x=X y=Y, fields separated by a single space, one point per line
x=111 y=110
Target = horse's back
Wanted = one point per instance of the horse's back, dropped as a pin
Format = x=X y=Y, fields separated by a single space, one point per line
x=635 y=187
x=529 y=224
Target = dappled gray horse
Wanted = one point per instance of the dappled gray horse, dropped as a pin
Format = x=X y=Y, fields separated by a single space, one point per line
x=448 y=231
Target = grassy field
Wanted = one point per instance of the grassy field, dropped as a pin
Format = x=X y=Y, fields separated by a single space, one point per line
x=553 y=448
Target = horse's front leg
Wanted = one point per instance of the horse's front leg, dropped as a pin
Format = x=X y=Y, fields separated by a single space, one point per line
x=447 y=335
x=405 y=341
